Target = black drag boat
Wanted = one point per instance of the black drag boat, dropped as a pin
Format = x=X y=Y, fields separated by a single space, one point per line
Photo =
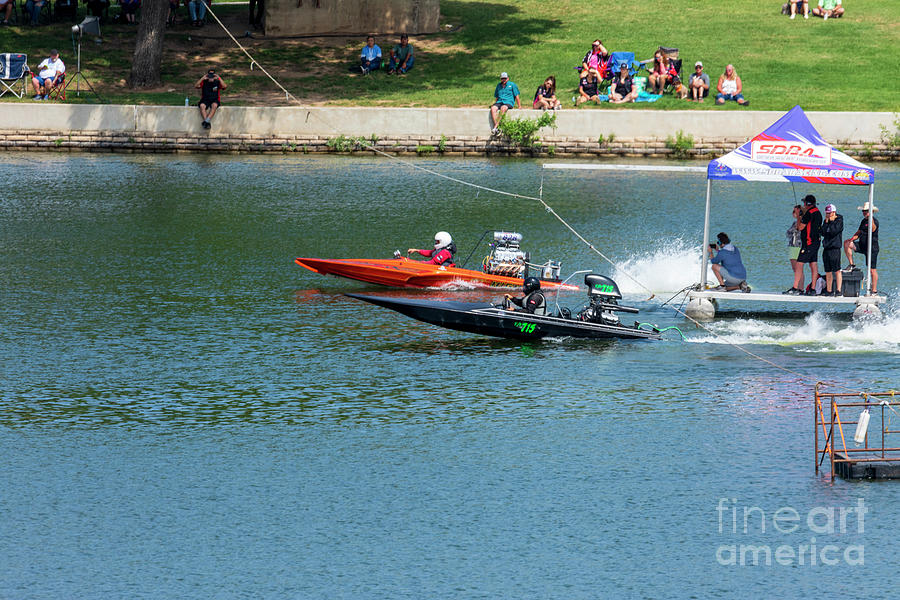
x=597 y=320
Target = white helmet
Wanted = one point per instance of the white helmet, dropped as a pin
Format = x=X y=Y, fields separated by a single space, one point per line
x=442 y=239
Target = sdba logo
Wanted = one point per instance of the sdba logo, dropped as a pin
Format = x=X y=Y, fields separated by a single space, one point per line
x=793 y=152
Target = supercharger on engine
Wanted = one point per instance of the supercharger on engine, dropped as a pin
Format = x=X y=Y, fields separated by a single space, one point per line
x=507 y=258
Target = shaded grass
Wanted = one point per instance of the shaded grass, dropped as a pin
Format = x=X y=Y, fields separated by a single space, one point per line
x=843 y=64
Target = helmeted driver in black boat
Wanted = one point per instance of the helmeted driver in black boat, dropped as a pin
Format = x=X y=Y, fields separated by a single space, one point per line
x=533 y=301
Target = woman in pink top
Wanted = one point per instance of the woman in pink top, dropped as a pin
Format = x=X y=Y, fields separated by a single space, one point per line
x=662 y=73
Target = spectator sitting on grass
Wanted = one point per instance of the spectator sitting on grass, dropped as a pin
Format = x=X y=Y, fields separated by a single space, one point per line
x=588 y=89
x=401 y=57
x=545 y=96
x=829 y=8
x=805 y=4
x=662 y=74
x=49 y=74
x=506 y=95
x=622 y=89
x=698 y=84
x=370 y=57
x=730 y=87
x=596 y=58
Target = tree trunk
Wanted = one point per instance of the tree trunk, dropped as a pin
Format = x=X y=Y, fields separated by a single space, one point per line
x=148 y=47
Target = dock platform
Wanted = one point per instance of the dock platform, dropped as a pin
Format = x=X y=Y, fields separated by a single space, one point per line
x=703 y=303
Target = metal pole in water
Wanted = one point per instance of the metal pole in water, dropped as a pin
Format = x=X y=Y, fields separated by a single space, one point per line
x=704 y=252
x=869 y=249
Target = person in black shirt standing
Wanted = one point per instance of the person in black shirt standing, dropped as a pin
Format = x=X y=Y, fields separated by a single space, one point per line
x=210 y=86
x=832 y=230
x=860 y=243
x=810 y=235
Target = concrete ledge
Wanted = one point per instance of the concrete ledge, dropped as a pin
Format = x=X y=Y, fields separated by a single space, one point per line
x=405 y=130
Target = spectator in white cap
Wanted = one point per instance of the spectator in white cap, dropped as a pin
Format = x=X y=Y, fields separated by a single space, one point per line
x=698 y=84
x=506 y=96
x=860 y=243
x=832 y=232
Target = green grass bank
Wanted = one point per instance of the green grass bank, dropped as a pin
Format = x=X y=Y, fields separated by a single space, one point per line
x=846 y=64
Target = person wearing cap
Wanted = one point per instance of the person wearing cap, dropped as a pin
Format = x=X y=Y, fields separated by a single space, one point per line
x=622 y=89
x=727 y=265
x=506 y=96
x=810 y=239
x=698 y=84
x=859 y=242
x=589 y=87
x=210 y=86
x=832 y=232
x=49 y=74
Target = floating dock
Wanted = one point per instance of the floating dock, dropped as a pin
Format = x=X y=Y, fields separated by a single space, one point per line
x=702 y=304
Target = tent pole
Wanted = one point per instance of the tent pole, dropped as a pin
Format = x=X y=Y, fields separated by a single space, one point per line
x=704 y=251
x=869 y=249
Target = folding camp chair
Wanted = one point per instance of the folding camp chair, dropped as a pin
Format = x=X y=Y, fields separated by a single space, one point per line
x=13 y=69
x=672 y=55
x=616 y=59
x=59 y=90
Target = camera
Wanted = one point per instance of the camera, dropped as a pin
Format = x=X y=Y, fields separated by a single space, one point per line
x=713 y=245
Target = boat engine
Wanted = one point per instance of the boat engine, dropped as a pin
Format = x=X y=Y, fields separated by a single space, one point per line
x=507 y=258
x=603 y=296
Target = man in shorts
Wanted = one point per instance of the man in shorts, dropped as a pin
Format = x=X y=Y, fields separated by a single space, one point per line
x=727 y=265
x=210 y=86
x=829 y=8
x=49 y=73
x=6 y=7
x=506 y=95
x=832 y=230
x=810 y=236
x=860 y=243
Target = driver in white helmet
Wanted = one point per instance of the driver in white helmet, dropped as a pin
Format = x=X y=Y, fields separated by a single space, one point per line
x=443 y=252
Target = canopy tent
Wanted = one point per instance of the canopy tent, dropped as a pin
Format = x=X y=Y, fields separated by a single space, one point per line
x=789 y=150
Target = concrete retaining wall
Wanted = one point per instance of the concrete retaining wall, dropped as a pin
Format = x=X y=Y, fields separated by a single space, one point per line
x=309 y=17
x=262 y=129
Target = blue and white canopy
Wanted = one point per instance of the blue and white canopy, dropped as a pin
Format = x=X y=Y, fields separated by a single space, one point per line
x=790 y=150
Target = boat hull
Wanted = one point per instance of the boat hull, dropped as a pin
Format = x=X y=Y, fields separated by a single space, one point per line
x=488 y=319
x=403 y=272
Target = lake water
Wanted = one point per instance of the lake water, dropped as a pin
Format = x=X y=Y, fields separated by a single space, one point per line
x=184 y=412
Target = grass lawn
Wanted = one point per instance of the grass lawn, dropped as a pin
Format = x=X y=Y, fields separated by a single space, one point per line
x=844 y=64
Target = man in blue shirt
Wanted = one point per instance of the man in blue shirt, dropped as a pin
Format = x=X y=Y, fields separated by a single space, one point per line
x=370 y=57
x=506 y=95
x=727 y=266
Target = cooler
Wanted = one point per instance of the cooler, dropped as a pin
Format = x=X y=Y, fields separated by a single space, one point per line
x=852 y=282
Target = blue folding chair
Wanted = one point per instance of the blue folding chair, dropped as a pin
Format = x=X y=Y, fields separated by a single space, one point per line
x=13 y=69
x=616 y=59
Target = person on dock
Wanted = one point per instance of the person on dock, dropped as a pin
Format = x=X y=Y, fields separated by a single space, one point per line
x=810 y=236
x=506 y=96
x=832 y=232
x=859 y=242
x=443 y=252
x=727 y=265
x=793 y=237
x=532 y=301
x=210 y=86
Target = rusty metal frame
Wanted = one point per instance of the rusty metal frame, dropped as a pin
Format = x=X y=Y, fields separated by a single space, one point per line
x=870 y=400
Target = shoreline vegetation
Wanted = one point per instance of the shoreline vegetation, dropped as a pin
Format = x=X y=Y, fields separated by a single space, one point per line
x=835 y=65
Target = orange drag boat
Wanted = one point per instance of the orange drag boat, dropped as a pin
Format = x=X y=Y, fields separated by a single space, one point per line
x=505 y=266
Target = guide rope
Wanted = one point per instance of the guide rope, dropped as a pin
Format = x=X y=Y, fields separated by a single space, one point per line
x=290 y=97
